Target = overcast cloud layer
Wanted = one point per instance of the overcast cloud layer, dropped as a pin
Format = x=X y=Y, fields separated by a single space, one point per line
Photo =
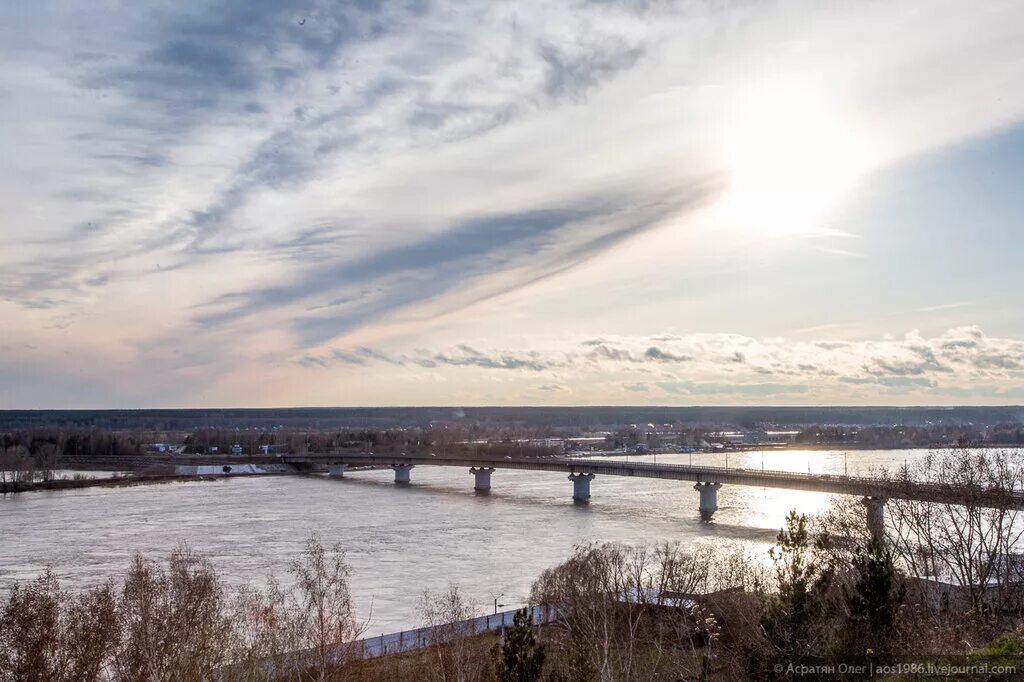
x=294 y=203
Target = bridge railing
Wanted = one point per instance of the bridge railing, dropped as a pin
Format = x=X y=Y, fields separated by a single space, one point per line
x=894 y=487
x=842 y=479
x=580 y=464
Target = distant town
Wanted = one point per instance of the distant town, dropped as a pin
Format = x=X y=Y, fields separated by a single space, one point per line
x=166 y=442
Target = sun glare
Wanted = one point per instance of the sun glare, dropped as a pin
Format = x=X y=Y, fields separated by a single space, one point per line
x=791 y=160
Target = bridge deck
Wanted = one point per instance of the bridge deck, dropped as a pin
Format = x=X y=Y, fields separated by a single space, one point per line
x=843 y=485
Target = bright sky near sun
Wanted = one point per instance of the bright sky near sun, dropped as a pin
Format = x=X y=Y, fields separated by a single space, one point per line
x=322 y=203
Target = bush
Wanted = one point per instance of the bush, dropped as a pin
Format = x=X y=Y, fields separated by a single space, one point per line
x=177 y=622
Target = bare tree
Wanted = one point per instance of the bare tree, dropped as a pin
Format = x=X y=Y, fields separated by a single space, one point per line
x=173 y=621
x=326 y=618
x=30 y=631
x=455 y=659
x=90 y=633
x=626 y=612
x=16 y=468
x=966 y=545
x=266 y=630
x=46 y=460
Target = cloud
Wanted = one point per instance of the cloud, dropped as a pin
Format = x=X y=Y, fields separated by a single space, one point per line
x=316 y=175
x=201 y=56
x=914 y=360
x=284 y=91
x=702 y=390
x=571 y=72
x=708 y=363
x=462 y=355
x=465 y=356
x=461 y=246
x=536 y=244
x=659 y=355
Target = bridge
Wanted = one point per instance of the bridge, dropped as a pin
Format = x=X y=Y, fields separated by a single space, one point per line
x=707 y=480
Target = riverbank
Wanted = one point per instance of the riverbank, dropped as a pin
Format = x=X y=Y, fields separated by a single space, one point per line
x=128 y=481
x=114 y=482
x=123 y=481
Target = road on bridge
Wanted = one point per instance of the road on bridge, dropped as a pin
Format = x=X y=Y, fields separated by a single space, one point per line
x=878 y=488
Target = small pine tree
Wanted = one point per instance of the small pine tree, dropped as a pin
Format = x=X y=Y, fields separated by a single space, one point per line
x=874 y=601
x=520 y=658
x=797 y=620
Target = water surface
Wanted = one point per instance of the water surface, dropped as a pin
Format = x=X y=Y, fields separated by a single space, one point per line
x=401 y=540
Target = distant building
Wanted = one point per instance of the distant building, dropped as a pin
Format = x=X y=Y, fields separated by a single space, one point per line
x=170 y=448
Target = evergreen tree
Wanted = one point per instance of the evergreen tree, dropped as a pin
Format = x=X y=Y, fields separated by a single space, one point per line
x=519 y=658
x=874 y=601
x=798 y=619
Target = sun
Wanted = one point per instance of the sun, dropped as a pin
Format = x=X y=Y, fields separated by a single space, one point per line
x=791 y=160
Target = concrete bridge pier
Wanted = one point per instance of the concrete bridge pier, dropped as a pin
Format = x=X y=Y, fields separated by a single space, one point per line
x=483 y=478
x=581 y=486
x=402 y=473
x=708 y=499
x=336 y=470
x=875 y=516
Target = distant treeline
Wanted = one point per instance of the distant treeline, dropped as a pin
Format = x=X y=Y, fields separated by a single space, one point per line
x=27 y=457
x=73 y=442
x=876 y=437
x=45 y=448
x=455 y=440
x=50 y=447
x=913 y=436
x=343 y=418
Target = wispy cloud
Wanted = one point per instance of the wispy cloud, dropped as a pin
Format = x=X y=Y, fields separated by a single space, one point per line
x=314 y=175
x=534 y=244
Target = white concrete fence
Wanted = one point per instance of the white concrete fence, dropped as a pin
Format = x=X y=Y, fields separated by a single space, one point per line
x=419 y=638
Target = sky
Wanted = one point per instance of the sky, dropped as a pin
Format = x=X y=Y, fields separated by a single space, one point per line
x=276 y=203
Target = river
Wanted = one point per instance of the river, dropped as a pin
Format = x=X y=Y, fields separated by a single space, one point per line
x=401 y=540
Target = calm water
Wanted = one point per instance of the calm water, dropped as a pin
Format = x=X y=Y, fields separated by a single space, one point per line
x=399 y=540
